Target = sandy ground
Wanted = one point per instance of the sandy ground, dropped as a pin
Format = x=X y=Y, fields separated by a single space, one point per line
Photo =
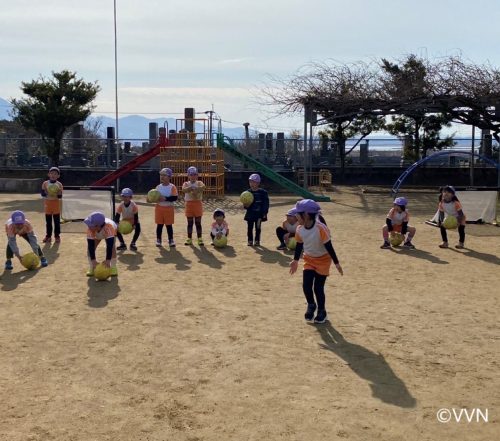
x=203 y=344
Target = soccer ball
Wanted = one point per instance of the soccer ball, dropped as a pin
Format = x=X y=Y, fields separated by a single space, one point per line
x=221 y=242
x=125 y=227
x=153 y=195
x=246 y=198
x=30 y=261
x=396 y=239
x=450 y=222
x=102 y=272
x=52 y=189
x=291 y=244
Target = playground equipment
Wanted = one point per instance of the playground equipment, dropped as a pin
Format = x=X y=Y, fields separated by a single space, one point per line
x=185 y=148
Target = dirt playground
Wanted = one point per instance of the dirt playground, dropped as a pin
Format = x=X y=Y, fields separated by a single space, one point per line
x=192 y=344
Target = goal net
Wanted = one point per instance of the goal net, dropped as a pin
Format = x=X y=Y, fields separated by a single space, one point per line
x=480 y=205
x=79 y=202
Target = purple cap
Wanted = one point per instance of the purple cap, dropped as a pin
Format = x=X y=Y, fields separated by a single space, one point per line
x=291 y=212
x=307 y=206
x=192 y=171
x=449 y=189
x=254 y=177
x=127 y=192
x=54 y=169
x=95 y=219
x=18 y=217
x=401 y=201
x=166 y=172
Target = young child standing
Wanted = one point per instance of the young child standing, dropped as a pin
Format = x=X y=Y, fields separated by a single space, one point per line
x=193 y=191
x=130 y=212
x=18 y=225
x=287 y=228
x=52 y=191
x=99 y=228
x=257 y=210
x=313 y=237
x=449 y=205
x=397 y=222
x=164 y=209
x=219 y=227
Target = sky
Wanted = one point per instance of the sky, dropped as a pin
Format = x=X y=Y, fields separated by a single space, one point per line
x=174 y=54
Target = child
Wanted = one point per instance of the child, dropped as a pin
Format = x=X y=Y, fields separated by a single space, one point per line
x=130 y=212
x=257 y=210
x=219 y=226
x=193 y=190
x=164 y=209
x=313 y=237
x=449 y=205
x=397 y=221
x=100 y=227
x=17 y=224
x=52 y=193
x=287 y=228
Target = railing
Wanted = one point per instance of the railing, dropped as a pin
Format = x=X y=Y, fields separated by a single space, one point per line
x=287 y=154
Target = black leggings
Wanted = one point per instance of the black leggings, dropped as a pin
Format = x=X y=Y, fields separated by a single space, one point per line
x=313 y=284
x=250 y=225
x=461 y=233
x=170 y=231
x=137 y=232
x=280 y=232
x=197 y=222
x=57 y=224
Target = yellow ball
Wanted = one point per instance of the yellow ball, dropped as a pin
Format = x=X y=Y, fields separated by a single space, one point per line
x=291 y=244
x=450 y=223
x=153 y=195
x=30 y=261
x=221 y=242
x=125 y=227
x=52 y=189
x=102 y=272
x=396 y=239
x=246 y=198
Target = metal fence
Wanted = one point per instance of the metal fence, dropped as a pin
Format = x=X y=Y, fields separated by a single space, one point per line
x=280 y=154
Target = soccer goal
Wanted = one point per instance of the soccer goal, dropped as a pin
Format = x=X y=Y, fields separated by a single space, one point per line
x=79 y=202
x=479 y=204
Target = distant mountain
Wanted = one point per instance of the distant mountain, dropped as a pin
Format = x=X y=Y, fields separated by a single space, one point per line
x=5 y=108
x=136 y=127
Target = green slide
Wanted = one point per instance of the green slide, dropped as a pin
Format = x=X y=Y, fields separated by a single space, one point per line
x=266 y=171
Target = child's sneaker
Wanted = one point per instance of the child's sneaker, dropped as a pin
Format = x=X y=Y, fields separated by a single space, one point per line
x=257 y=243
x=43 y=261
x=133 y=246
x=171 y=243
x=8 y=265
x=309 y=315
x=444 y=245
x=188 y=242
x=90 y=273
x=58 y=239
x=281 y=246
x=459 y=245
x=200 y=242
x=121 y=247
x=385 y=245
x=409 y=245
x=158 y=242
x=114 y=271
x=250 y=243
x=320 y=317
x=47 y=239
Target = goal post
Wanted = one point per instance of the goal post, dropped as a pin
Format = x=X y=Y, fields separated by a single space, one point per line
x=79 y=201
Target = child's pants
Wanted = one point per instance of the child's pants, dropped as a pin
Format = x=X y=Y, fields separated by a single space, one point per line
x=57 y=224
x=313 y=285
x=250 y=225
x=34 y=246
